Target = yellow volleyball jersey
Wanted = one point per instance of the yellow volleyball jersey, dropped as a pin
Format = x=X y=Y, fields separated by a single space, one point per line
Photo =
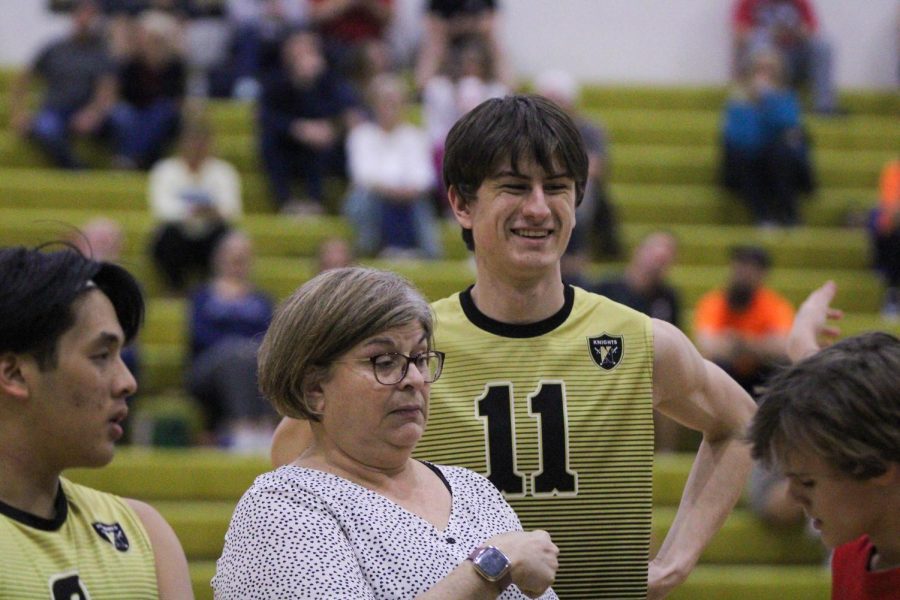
x=96 y=548
x=558 y=415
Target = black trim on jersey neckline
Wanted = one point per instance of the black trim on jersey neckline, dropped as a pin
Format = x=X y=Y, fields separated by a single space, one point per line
x=60 y=505
x=439 y=474
x=517 y=330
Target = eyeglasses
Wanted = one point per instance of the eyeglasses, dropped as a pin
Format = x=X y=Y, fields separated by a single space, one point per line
x=391 y=367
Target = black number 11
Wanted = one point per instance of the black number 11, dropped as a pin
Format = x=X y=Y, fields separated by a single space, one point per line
x=548 y=406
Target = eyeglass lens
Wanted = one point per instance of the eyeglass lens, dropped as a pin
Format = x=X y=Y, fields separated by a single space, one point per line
x=392 y=367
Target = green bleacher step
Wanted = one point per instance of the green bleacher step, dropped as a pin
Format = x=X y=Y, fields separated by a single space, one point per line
x=706 y=582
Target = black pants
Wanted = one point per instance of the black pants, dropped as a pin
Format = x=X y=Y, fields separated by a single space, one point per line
x=887 y=256
x=177 y=255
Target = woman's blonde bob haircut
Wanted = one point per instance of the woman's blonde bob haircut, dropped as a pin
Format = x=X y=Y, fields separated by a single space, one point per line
x=326 y=317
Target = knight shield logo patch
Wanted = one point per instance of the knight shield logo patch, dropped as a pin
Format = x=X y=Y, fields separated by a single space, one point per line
x=607 y=350
x=114 y=534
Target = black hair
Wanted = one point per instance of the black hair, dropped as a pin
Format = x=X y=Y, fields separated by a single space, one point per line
x=40 y=288
x=756 y=255
x=515 y=128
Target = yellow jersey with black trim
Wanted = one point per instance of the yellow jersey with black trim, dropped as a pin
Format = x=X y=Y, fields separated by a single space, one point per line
x=95 y=548
x=558 y=415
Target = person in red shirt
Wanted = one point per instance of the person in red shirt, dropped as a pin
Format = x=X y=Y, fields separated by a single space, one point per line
x=354 y=33
x=743 y=327
x=829 y=424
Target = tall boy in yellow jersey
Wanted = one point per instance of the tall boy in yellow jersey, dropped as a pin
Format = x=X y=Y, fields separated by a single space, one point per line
x=548 y=390
x=64 y=320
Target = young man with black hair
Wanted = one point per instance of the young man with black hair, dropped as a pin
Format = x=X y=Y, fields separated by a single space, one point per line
x=64 y=320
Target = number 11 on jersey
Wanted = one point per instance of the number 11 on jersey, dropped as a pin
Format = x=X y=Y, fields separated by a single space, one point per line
x=547 y=405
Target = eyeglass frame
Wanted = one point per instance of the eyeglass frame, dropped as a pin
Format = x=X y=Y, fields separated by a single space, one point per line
x=405 y=370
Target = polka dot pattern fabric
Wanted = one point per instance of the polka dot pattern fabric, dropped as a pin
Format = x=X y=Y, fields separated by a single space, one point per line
x=303 y=533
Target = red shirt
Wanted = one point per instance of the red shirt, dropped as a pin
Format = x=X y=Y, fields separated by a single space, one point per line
x=851 y=578
x=747 y=12
x=355 y=25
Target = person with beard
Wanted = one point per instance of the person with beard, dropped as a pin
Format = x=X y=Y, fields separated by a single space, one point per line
x=743 y=328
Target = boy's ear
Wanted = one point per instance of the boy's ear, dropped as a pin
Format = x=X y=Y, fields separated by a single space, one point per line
x=13 y=382
x=460 y=207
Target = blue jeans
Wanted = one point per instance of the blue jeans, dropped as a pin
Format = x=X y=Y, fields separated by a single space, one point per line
x=50 y=130
x=141 y=133
x=366 y=212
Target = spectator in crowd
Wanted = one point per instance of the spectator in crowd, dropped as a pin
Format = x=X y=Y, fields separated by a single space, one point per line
x=352 y=353
x=334 y=253
x=468 y=77
x=258 y=28
x=644 y=286
x=303 y=110
x=768 y=492
x=886 y=236
x=743 y=327
x=194 y=196
x=228 y=317
x=79 y=83
x=391 y=176
x=597 y=228
x=450 y=24
x=790 y=28
x=152 y=83
x=766 y=157
x=102 y=239
x=63 y=387
x=351 y=30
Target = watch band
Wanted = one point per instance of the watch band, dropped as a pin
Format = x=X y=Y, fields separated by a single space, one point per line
x=503 y=577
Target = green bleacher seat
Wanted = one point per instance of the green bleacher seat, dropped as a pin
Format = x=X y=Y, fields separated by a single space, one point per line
x=664 y=157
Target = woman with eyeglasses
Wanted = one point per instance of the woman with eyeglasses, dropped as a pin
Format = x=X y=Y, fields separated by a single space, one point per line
x=355 y=516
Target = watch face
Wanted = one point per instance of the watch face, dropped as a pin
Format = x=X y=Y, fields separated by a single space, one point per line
x=492 y=563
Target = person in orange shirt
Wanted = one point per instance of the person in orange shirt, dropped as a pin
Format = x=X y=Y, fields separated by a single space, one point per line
x=744 y=327
x=886 y=236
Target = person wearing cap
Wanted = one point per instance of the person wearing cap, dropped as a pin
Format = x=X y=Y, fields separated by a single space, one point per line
x=743 y=327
